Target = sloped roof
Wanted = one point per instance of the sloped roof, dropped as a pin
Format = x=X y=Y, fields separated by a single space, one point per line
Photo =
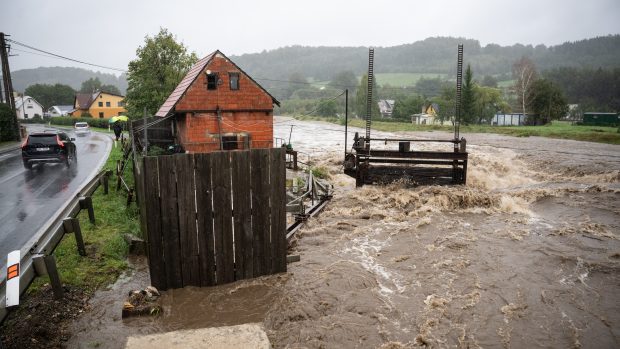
x=178 y=92
x=189 y=79
x=21 y=99
x=85 y=99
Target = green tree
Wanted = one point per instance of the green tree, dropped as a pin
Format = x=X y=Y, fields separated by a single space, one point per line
x=361 y=99
x=429 y=87
x=296 y=82
x=547 y=102
x=489 y=81
x=91 y=85
x=160 y=65
x=405 y=107
x=446 y=103
x=327 y=108
x=524 y=73
x=488 y=101
x=8 y=127
x=49 y=95
x=111 y=89
x=344 y=80
x=468 y=98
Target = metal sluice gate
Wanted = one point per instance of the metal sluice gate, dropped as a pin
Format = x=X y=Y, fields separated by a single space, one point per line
x=369 y=165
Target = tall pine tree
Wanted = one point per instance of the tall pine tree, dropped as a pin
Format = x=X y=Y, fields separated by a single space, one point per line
x=468 y=101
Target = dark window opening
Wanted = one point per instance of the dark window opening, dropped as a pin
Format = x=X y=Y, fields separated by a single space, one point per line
x=211 y=81
x=234 y=80
x=107 y=104
x=229 y=142
x=101 y=104
x=100 y=115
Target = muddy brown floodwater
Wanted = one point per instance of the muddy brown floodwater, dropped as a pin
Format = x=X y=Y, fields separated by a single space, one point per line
x=526 y=255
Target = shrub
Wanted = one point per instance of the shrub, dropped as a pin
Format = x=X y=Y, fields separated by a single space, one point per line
x=70 y=121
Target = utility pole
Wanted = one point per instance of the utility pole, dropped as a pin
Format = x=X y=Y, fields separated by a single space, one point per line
x=8 y=85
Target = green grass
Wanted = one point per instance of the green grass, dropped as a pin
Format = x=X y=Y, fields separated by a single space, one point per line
x=404 y=79
x=106 y=249
x=557 y=129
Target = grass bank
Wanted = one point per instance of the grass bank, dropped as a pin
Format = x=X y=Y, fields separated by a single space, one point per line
x=105 y=246
x=557 y=129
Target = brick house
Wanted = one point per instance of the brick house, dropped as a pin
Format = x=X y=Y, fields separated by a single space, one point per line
x=218 y=106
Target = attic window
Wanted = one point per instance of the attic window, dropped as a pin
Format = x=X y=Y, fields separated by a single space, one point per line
x=212 y=81
x=234 y=80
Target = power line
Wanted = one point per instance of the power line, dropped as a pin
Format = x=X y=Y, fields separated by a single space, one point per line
x=63 y=57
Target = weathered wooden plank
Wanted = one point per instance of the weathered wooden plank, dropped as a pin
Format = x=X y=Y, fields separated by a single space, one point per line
x=152 y=217
x=187 y=219
x=170 y=221
x=222 y=217
x=242 y=214
x=204 y=217
x=277 y=174
x=260 y=211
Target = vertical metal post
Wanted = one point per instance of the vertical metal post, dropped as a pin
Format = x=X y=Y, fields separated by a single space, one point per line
x=346 y=119
x=459 y=87
x=290 y=134
x=371 y=58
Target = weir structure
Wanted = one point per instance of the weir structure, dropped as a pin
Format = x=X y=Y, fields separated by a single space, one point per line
x=370 y=164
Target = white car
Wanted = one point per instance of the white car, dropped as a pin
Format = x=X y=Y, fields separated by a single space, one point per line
x=81 y=128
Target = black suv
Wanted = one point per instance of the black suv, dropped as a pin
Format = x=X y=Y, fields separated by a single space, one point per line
x=48 y=147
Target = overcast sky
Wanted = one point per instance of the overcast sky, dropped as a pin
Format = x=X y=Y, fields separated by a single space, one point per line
x=108 y=32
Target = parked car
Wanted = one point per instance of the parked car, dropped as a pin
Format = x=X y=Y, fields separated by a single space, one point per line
x=54 y=147
x=81 y=128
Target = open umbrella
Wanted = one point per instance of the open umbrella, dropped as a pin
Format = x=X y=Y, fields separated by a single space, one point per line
x=118 y=118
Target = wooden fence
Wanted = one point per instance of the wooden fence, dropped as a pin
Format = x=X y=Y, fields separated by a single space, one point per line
x=213 y=218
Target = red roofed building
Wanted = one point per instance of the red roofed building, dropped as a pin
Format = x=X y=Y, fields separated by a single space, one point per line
x=218 y=106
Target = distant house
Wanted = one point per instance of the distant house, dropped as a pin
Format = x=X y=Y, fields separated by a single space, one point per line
x=514 y=119
x=422 y=119
x=431 y=109
x=386 y=107
x=218 y=106
x=59 y=110
x=27 y=107
x=100 y=104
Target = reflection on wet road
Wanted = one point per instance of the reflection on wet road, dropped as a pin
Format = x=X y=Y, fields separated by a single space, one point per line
x=28 y=198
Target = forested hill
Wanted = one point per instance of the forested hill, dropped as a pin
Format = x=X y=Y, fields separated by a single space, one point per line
x=430 y=56
x=63 y=75
x=433 y=55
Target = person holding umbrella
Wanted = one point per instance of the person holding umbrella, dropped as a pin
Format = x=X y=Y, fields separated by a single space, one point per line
x=117 y=126
x=118 y=129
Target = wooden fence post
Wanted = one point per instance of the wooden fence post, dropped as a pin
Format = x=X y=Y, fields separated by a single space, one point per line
x=86 y=202
x=72 y=225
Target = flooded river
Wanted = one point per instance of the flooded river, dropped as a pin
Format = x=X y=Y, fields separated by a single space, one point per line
x=526 y=255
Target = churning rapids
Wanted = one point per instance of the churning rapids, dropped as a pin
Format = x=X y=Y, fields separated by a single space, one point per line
x=526 y=255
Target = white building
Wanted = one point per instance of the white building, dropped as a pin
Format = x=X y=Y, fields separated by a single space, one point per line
x=59 y=110
x=514 y=119
x=27 y=107
x=386 y=107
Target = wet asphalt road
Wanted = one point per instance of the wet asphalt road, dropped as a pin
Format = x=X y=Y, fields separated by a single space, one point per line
x=29 y=198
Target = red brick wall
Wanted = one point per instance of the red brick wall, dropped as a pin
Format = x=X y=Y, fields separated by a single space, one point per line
x=246 y=111
x=198 y=132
